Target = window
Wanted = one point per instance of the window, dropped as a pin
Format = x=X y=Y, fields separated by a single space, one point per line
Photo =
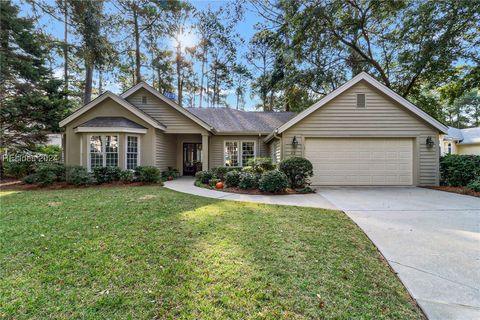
x=231 y=153
x=96 y=155
x=237 y=153
x=132 y=152
x=248 y=151
x=361 y=100
x=103 y=151
x=449 y=148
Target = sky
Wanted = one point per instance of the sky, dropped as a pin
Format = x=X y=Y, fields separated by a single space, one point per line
x=245 y=28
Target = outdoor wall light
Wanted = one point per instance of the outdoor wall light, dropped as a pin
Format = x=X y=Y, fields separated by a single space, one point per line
x=294 y=141
x=429 y=142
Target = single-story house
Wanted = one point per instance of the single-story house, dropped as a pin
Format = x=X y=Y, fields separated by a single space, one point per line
x=362 y=133
x=460 y=141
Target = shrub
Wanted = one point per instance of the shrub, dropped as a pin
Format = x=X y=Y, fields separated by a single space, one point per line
x=297 y=170
x=273 y=181
x=106 y=174
x=77 y=175
x=170 y=172
x=30 y=179
x=459 y=170
x=51 y=150
x=213 y=182
x=204 y=176
x=261 y=165
x=127 y=176
x=57 y=168
x=248 y=181
x=220 y=172
x=18 y=169
x=147 y=174
x=45 y=177
x=232 y=178
x=474 y=185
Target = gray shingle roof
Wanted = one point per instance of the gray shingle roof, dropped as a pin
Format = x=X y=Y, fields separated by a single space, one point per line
x=120 y=122
x=232 y=120
x=464 y=136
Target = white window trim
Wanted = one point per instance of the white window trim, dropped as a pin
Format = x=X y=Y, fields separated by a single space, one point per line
x=356 y=100
x=138 y=149
x=239 y=150
x=104 y=158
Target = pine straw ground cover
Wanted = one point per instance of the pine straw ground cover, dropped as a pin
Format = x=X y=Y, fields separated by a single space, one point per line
x=148 y=253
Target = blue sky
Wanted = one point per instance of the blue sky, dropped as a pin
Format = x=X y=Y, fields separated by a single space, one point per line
x=246 y=30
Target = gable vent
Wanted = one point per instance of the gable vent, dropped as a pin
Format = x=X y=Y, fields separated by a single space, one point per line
x=360 y=100
x=144 y=99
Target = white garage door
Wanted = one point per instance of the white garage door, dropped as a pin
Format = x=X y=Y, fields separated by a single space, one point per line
x=360 y=161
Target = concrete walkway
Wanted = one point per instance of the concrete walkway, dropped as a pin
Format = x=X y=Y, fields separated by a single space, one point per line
x=314 y=200
x=430 y=238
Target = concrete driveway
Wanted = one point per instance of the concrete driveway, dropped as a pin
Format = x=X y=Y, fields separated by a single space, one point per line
x=430 y=238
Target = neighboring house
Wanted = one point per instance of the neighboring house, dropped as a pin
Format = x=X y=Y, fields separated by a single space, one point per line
x=54 y=139
x=362 y=133
x=461 y=141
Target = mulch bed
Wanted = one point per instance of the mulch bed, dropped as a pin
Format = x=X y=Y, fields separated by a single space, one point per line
x=20 y=186
x=253 y=191
x=459 y=190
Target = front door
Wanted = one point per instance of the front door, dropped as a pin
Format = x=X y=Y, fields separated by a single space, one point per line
x=192 y=157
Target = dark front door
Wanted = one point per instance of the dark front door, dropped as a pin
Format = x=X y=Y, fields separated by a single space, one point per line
x=191 y=158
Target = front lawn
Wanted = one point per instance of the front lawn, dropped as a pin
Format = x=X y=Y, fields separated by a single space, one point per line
x=148 y=252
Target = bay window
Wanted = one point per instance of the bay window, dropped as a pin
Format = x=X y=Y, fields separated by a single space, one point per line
x=237 y=153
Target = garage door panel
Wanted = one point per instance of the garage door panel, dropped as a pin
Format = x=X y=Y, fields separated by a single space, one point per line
x=361 y=161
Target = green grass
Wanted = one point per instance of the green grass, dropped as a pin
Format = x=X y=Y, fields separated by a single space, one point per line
x=151 y=253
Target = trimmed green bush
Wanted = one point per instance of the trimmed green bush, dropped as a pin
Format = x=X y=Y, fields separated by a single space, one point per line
x=273 y=181
x=248 y=181
x=78 y=175
x=232 y=178
x=204 y=176
x=45 y=178
x=18 y=169
x=30 y=179
x=106 y=174
x=459 y=170
x=170 y=172
x=261 y=165
x=57 y=168
x=127 y=176
x=297 y=170
x=147 y=174
x=474 y=185
x=220 y=172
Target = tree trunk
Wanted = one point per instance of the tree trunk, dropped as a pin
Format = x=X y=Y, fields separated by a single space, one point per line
x=179 y=73
x=204 y=61
x=100 y=81
x=87 y=97
x=136 y=33
x=158 y=76
x=215 y=80
x=65 y=48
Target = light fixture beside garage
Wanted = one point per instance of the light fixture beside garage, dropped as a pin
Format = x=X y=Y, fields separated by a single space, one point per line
x=294 y=142
x=430 y=142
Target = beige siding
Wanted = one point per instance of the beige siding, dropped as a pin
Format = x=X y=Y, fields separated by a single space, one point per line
x=468 y=149
x=166 y=114
x=217 y=143
x=76 y=152
x=166 y=150
x=382 y=117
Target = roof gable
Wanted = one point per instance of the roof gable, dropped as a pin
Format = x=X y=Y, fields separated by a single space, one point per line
x=382 y=88
x=109 y=95
x=169 y=102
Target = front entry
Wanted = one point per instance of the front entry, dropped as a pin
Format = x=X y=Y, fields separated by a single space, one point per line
x=192 y=157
